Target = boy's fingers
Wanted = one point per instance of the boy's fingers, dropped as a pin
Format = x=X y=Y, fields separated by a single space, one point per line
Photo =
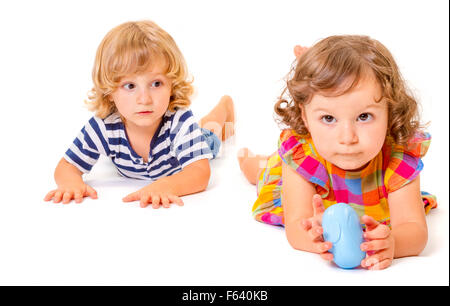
x=131 y=197
x=145 y=199
x=49 y=195
x=57 y=197
x=155 y=201
x=175 y=199
x=68 y=195
x=78 y=196
x=91 y=192
x=165 y=202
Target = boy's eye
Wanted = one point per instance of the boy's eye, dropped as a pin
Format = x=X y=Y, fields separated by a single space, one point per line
x=365 y=117
x=327 y=119
x=129 y=86
x=156 y=84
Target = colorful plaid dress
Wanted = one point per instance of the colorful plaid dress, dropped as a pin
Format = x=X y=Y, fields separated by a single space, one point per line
x=366 y=190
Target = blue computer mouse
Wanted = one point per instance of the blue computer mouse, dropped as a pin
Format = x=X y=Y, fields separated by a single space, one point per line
x=341 y=227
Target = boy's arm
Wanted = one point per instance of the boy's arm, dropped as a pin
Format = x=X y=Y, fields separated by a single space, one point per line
x=192 y=179
x=70 y=184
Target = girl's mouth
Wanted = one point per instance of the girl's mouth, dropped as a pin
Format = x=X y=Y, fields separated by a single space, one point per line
x=145 y=113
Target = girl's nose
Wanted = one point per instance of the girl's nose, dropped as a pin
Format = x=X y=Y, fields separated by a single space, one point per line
x=347 y=134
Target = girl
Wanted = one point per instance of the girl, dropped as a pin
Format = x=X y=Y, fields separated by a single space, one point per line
x=353 y=137
x=141 y=97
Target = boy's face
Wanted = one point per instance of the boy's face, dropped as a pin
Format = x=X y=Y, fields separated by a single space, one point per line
x=142 y=99
x=348 y=130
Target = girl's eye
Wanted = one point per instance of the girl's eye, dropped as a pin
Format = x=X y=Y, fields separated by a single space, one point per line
x=129 y=86
x=365 y=117
x=156 y=84
x=327 y=119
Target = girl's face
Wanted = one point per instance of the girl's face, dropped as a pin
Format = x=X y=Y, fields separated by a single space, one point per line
x=348 y=130
x=142 y=99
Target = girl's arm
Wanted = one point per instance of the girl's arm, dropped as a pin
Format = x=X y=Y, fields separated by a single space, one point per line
x=408 y=234
x=192 y=179
x=408 y=224
x=296 y=198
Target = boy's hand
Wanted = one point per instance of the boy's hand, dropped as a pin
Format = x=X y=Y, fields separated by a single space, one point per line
x=314 y=228
x=379 y=245
x=66 y=193
x=155 y=193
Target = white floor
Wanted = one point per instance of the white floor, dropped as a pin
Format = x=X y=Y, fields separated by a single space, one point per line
x=212 y=240
x=241 y=48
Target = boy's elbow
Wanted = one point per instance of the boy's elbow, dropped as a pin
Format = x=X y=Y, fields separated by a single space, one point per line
x=204 y=176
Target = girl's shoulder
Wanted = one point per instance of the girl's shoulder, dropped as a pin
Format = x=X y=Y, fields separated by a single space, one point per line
x=299 y=153
x=292 y=143
x=403 y=163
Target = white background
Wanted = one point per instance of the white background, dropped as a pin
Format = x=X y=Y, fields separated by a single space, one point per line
x=240 y=48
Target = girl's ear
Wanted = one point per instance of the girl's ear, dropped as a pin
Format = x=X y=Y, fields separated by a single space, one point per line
x=303 y=112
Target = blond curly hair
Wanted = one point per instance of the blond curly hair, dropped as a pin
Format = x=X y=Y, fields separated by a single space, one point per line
x=131 y=48
x=334 y=66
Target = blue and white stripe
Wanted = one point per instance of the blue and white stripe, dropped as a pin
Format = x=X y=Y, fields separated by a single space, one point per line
x=177 y=143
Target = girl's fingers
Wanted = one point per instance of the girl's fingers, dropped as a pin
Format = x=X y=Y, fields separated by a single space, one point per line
x=306 y=224
x=327 y=256
x=375 y=245
x=370 y=222
x=379 y=232
x=374 y=259
x=316 y=231
x=318 y=205
x=381 y=265
x=322 y=247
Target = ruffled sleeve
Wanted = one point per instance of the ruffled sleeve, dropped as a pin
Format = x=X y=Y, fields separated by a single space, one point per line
x=405 y=162
x=298 y=152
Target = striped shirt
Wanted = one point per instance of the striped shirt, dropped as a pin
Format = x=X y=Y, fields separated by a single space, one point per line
x=177 y=142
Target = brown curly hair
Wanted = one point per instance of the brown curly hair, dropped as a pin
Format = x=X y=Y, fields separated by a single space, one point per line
x=334 y=66
x=131 y=48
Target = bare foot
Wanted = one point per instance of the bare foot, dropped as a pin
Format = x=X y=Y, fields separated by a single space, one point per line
x=251 y=164
x=228 y=128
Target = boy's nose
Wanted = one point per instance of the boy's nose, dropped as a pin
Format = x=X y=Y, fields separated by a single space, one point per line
x=144 y=97
x=347 y=134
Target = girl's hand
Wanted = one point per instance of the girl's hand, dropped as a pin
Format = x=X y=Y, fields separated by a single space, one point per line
x=379 y=245
x=314 y=228
x=155 y=194
x=73 y=191
x=299 y=50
